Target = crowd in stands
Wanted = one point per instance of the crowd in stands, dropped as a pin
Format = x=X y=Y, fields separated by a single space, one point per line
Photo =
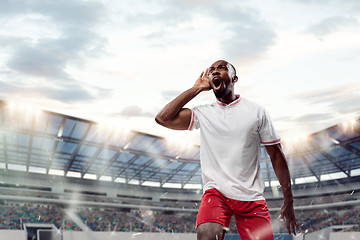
x=316 y=220
x=315 y=200
x=139 y=221
x=271 y=202
x=111 y=219
x=14 y=216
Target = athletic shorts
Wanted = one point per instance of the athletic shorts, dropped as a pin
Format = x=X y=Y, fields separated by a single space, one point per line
x=252 y=217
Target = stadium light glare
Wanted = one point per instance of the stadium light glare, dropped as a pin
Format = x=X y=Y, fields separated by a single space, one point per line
x=38 y=112
x=304 y=137
x=352 y=122
x=345 y=125
x=11 y=105
x=179 y=147
x=296 y=138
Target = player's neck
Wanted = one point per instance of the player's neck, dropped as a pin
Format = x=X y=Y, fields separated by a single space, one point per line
x=229 y=98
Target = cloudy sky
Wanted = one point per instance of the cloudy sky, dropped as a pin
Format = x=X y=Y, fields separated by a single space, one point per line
x=120 y=62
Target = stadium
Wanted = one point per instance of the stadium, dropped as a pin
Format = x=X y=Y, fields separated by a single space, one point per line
x=64 y=177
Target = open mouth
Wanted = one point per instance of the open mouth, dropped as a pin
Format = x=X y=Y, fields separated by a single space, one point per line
x=217 y=83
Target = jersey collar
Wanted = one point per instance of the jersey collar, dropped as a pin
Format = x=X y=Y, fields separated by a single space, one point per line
x=234 y=103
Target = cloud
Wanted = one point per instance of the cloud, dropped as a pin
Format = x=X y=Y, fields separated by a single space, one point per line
x=247 y=37
x=341 y=99
x=322 y=2
x=68 y=93
x=330 y=25
x=156 y=35
x=170 y=94
x=12 y=41
x=134 y=111
x=80 y=13
x=48 y=57
x=40 y=62
x=313 y=117
x=164 y=13
x=248 y=43
x=242 y=34
x=348 y=105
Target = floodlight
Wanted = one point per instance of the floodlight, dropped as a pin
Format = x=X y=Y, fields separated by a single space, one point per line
x=352 y=122
x=345 y=125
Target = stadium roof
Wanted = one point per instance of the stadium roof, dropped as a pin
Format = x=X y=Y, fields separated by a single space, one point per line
x=45 y=142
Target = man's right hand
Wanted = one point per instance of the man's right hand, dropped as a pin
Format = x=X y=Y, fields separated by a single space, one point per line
x=203 y=81
x=174 y=115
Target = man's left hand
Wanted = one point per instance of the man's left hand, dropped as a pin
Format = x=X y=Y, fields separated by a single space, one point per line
x=287 y=212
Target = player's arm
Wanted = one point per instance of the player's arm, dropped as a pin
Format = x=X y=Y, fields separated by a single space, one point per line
x=174 y=115
x=283 y=174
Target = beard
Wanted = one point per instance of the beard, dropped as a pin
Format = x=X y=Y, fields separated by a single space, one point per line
x=222 y=91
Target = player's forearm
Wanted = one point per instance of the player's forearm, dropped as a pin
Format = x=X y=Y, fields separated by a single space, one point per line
x=283 y=176
x=172 y=109
x=282 y=172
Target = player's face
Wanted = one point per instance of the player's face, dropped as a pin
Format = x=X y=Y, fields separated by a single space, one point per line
x=219 y=79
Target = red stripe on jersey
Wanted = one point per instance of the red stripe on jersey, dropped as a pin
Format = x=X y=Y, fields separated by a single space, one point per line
x=192 y=120
x=272 y=142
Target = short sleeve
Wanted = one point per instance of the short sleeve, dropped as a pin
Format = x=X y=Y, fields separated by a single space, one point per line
x=194 y=122
x=267 y=132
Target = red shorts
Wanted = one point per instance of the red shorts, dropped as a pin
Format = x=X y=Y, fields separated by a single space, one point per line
x=252 y=217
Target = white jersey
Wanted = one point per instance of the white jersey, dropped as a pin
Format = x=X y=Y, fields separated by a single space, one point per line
x=231 y=136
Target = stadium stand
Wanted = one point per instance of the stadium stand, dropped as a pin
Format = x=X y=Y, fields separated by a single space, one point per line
x=134 y=182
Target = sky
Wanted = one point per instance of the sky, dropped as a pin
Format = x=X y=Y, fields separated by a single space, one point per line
x=121 y=62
